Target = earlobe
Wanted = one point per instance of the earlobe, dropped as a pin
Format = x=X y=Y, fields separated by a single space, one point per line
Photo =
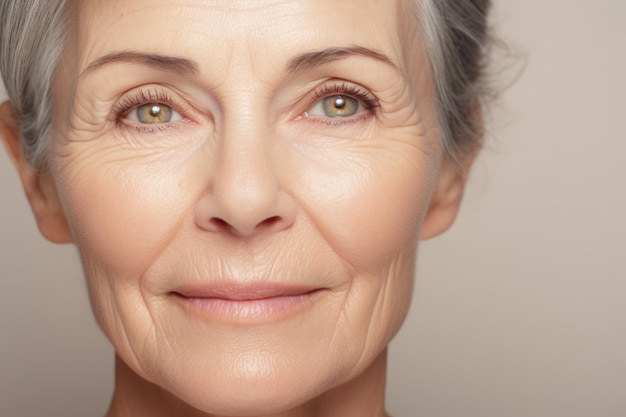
x=39 y=187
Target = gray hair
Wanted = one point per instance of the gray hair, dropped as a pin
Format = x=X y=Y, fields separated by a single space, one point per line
x=32 y=38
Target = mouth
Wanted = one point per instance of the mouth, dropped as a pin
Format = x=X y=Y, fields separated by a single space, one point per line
x=246 y=303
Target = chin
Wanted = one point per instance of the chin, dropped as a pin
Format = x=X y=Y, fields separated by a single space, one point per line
x=250 y=396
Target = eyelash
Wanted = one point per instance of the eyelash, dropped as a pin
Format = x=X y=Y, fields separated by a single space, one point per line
x=343 y=88
x=369 y=101
x=140 y=98
x=154 y=95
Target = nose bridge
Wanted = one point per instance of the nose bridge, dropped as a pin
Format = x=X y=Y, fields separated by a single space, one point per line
x=246 y=177
x=246 y=196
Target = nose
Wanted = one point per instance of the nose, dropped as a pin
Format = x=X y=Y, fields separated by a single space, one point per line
x=245 y=196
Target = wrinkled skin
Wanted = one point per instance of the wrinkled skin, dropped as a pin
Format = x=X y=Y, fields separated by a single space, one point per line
x=248 y=181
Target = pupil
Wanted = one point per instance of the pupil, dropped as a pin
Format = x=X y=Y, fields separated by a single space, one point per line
x=155 y=110
x=340 y=103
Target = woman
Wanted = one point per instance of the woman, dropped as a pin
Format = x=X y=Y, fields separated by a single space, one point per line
x=246 y=183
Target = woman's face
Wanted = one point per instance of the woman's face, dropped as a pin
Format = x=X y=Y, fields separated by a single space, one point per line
x=246 y=182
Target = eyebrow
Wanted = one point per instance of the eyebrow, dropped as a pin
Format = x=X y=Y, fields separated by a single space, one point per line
x=160 y=62
x=302 y=62
x=315 y=59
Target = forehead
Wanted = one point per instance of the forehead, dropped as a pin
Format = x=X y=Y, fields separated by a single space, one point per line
x=240 y=32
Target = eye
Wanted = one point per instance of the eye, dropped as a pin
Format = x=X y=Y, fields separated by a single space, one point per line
x=336 y=106
x=154 y=113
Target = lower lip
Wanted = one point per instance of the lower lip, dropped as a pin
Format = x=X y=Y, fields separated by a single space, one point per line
x=248 y=311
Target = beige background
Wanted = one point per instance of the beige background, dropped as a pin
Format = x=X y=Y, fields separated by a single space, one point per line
x=520 y=310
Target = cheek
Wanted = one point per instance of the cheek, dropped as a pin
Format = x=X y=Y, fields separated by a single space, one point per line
x=122 y=215
x=370 y=209
x=367 y=200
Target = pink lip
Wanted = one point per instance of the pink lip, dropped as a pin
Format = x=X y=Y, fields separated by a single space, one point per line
x=242 y=292
x=246 y=303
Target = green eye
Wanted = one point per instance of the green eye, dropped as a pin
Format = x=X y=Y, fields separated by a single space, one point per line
x=338 y=106
x=152 y=113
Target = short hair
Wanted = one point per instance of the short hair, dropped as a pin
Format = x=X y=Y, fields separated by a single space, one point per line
x=33 y=35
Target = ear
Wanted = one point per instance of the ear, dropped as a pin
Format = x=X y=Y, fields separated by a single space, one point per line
x=38 y=186
x=446 y=199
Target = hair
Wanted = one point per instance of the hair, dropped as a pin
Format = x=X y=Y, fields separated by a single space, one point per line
x=458 y=40
x=32 y=38
x=33 y=34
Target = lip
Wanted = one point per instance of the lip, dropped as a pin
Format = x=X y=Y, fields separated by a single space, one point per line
x=251 y=303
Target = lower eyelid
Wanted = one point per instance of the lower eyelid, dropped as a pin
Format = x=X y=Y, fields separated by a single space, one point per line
x=339 y=121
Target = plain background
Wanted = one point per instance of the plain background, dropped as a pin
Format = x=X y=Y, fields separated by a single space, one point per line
x=519 y=310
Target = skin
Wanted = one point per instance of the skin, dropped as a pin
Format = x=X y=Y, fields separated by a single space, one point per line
x=249 y=183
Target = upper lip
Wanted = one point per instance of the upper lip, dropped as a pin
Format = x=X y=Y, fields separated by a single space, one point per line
x=242 y=291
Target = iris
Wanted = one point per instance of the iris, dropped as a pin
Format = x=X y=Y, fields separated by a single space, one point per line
x=340 y=106
x=154 y=113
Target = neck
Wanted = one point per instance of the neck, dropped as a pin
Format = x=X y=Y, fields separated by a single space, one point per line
x=360 y=397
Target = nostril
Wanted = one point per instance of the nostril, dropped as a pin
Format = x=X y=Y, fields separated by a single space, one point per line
x=270 y=222
x=219 y=225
